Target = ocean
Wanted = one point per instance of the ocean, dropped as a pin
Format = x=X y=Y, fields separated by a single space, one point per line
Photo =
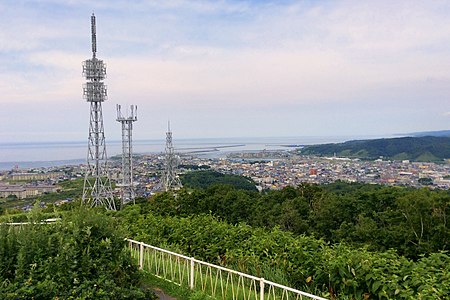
x=47 y=154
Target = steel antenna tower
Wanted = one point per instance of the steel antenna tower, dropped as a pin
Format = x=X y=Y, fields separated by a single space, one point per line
x=97 y=189
x=170 y=180
x=128 y=194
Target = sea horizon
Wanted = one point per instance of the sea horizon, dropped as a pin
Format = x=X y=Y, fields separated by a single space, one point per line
x=36 y=154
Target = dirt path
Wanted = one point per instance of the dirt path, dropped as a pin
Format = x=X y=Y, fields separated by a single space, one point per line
x=161 y=295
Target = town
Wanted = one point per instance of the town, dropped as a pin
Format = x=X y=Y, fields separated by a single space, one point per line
x=268 y=169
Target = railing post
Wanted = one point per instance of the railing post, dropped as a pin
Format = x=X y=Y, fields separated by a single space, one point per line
x=191 y=274
x=261 y=289
x=141 y=255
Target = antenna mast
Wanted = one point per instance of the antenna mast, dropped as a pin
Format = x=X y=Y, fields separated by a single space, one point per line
x=170 y=180
x=94 y=36
x=128 y=193
x=97 y=189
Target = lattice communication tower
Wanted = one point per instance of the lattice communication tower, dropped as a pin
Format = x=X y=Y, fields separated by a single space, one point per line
x=128 y=193
x=170 y=180
x=97 y=189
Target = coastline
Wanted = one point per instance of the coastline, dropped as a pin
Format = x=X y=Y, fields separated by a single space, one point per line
x=52 y=154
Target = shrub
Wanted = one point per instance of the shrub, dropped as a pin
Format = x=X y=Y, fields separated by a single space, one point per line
x=83 y=256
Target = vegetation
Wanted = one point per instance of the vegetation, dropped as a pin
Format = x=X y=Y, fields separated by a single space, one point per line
x=427 y=148
x=70 y=189
x=425 y=181
x=341 y=241
x=82 y=257
x=204 y=179
x=433 y=133
x=162 y=286
x=411 y=221
x=300 y=261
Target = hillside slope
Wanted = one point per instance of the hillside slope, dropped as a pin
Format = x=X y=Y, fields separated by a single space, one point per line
x=432 y=133
x=426 y=149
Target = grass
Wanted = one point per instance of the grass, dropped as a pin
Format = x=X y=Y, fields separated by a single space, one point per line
x=208 y=282
x=179 y=292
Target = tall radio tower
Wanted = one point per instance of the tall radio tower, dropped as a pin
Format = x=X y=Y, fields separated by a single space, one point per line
x=170 y=180
x=97 y=184
x=127 y=153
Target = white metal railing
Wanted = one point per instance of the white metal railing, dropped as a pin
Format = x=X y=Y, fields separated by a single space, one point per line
x=216 y=281
x=47 y=221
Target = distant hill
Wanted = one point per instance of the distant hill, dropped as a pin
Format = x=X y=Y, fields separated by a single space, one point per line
x=426 y=149
x=431 y=133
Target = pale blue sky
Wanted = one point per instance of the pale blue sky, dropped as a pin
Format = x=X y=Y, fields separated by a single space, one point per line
x=227 y=68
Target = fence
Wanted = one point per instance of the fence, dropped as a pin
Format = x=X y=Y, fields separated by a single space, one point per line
x=47 y=221
x=216 y=281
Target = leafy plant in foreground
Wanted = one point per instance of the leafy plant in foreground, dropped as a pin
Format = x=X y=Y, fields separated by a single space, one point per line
x=84 y=256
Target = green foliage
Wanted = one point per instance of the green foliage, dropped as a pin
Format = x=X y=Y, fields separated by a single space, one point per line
x=412 y=221
x=358 y=223
x=84 y=256
x=335 y=240
x=70 y=189
x=74 y=184
x=163 y=287
x=300 y=261
x=427 y=148
x=425 y=181
x=204 y=179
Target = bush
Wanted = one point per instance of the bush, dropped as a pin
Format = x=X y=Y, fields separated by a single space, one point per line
x=302 y=262
x=84 y=256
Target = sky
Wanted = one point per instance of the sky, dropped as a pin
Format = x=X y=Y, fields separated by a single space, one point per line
x=227 y=68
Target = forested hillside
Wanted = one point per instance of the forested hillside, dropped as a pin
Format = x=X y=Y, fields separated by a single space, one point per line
x=432 y=133
x=427 y=149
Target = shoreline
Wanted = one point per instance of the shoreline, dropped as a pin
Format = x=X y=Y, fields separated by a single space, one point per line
x=54 y=154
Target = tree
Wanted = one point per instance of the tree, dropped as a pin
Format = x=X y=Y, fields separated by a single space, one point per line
x=425 y=181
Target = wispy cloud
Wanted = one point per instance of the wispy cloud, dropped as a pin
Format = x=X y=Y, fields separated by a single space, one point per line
x=292 y=56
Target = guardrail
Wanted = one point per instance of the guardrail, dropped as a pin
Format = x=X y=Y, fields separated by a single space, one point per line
x=216 y=281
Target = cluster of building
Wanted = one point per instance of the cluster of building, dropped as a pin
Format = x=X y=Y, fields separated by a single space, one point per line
x=278 y=169
x=22 y=191
x=281 y=171
x=270 y=170
x=25 y=185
